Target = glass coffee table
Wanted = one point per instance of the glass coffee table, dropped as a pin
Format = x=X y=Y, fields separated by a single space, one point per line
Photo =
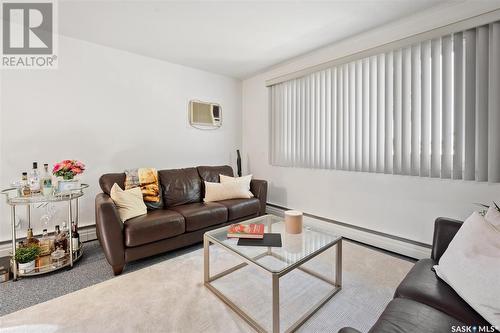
x=295 y=252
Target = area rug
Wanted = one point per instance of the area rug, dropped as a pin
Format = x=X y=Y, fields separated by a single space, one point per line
x=170 y=297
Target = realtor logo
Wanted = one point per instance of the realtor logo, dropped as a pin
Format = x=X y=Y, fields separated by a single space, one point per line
x=28 y=35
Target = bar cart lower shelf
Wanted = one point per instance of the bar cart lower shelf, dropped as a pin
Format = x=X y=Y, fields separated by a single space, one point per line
x=48 y=266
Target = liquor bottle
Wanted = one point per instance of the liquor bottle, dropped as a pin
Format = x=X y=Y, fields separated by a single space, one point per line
x=34 y=179
x=46 y=181
x=75 y=237
x=57 y=231
x=60 y=240
x=52 y=243
x=30 y=240
x=45 y=243
x=25 y=188
x=63 y=239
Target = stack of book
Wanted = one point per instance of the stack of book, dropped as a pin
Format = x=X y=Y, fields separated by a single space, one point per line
x=246 y=231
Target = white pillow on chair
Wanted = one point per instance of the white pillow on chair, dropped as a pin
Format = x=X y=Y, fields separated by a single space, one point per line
x=471 y=266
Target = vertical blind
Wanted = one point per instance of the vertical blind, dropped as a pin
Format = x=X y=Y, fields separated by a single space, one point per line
x=430 y=109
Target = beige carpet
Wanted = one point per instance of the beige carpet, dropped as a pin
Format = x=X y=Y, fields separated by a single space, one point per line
x=170 y=297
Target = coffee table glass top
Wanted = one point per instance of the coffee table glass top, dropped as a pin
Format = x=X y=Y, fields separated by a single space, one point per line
x=295 y=249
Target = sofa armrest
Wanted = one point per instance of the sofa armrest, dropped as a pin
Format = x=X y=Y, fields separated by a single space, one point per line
x=259 y=189
x=444 y=231
x=110 y=230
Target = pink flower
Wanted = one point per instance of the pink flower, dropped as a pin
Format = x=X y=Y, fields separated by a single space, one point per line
x=57 y=167
x=68 y=168
x=80 y=165
x=76 y=170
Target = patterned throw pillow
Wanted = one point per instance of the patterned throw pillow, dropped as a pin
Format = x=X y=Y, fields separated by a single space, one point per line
x=147 y=180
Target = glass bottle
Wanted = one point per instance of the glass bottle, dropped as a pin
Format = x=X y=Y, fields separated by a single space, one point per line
x=25 y=188
x=34 y=179
x=75 y=237
x=64 y=242
x=65 y=233
x=57 y=243
x=46 y=181
x=57 y=258
x=65 y=229
x=30 y=240
x=52 y=246
x=45 y=243
x=60 y=240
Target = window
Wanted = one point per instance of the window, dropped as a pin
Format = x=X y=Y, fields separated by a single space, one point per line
x=430 y=109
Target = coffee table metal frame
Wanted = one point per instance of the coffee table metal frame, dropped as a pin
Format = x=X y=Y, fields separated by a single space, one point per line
x=275 y=278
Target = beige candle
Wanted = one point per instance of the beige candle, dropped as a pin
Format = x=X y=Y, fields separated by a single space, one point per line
x=293 y=222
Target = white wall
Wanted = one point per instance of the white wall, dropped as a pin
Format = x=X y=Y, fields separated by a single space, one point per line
x=113 y=110
x=399 y=205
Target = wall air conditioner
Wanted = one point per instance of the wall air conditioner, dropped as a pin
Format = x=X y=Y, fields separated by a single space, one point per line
x=205 y=115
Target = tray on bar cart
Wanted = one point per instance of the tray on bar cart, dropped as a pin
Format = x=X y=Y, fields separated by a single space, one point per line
x=50 y=266
x=40 y=198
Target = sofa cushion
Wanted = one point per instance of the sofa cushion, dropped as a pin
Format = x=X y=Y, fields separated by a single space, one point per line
x=201 y=215
x=155 y=225
x=107 y=181
x=211 y=173
x=238 y=208
x=421 y=284
x=180 y=186
x=404 y=315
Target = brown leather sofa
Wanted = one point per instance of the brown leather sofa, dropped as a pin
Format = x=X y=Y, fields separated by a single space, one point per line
x=182 y=221
x=425 y=303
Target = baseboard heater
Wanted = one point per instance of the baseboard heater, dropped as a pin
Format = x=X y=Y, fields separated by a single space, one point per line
x=377 y=239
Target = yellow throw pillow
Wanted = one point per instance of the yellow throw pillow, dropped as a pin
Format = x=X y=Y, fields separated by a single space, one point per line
x=245 y=180
x=129 y=203
x=225 y=191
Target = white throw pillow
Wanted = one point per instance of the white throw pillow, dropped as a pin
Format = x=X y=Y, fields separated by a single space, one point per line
x=224 y=191
x=243 y=180
x=471 y=266
x=493 y=217
x=129 y=203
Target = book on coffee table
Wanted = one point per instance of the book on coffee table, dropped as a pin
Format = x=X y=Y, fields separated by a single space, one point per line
x=269 y=240
x=246 y=231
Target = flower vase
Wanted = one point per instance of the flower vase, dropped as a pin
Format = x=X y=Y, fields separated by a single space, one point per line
x=67 y=185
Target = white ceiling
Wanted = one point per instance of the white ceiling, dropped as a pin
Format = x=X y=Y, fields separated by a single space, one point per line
x=234 y=38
